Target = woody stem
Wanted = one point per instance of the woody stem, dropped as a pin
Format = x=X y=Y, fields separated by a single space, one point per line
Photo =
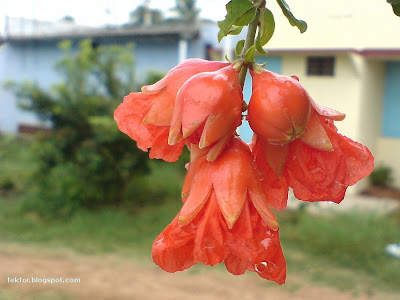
x=251 y=34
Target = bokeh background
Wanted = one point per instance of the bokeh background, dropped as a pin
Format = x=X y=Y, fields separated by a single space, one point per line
x=78 y=200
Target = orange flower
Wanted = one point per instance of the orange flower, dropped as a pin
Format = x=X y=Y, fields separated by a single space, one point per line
x=225 y=217
x=313 y=159
x=146 y=116
x=208 y=109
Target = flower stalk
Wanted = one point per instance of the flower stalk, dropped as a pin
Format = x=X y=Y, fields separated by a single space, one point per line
x=251 y=34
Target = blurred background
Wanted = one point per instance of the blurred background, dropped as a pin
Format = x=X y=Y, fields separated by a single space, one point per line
x=79 y=200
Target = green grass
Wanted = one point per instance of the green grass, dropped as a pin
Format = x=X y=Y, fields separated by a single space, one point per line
x=102 y=231
x=16 y=161
x=351 y=241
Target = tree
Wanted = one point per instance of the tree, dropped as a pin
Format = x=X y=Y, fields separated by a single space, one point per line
x=187 y=11
x=85 y=161
x=144 y=15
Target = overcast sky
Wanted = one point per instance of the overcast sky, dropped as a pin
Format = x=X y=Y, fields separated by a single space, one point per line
x=100 y=12
x=96 y=12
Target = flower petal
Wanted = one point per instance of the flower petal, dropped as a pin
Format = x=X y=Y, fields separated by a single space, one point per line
x=276 y=155
x=326 y=112
x=209 y=242
x=260 y=250
x=129 y=115
x=199 y=193
x=359 y=160
x=230 y=178
x=173 y=248
x=315 y=135
x=318 y=175
x=191 y=173
x=217 y=148
x=275 y=188
x=160 y=148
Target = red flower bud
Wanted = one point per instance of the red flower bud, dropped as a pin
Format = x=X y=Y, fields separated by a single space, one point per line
x=208 y=108
x=146 y=116
x=279 y=107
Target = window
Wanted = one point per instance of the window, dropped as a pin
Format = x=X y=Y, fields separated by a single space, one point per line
x=320 y=65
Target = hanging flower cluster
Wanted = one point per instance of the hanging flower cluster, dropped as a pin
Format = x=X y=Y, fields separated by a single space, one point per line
x=230 y=186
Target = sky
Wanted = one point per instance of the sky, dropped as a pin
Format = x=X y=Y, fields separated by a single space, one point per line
x=96 y=12
x=102 y=12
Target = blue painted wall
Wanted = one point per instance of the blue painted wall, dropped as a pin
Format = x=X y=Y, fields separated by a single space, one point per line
x=391 y=106
x=22 y=62
x=274 y=64
x=35 y=62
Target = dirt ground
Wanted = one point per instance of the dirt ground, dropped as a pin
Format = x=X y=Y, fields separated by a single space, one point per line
x=118 y=278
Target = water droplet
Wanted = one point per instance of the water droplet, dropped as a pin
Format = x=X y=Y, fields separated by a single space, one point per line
x=260 y=267
x=288 y=84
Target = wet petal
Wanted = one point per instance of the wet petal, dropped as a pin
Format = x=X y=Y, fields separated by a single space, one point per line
x=199 y=193
x=219 y=126
x=276 y=155
x=230 y=178
x=209 y=242
x=161 y=150
x=207 y=107
x=315 y=135
x=359 y=160
x=173 y=248
x=275 y=188
x=318 y=175
x=261 y=248
x=217 y=148
x=326 y=112
x=194 y=167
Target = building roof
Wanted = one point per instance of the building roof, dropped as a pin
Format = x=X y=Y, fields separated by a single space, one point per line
x=115 y=32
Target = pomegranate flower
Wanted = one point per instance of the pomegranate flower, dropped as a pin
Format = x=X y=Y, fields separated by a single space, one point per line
x=208 y=109
x=146 y=116
x=301 y=148
x=225 y=217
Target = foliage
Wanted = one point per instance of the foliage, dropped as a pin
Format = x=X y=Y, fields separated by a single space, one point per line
x=381 y=176
x=187 y=11
x=85 y=161
x=16 y=163
x=396 y=6
x=143 y=15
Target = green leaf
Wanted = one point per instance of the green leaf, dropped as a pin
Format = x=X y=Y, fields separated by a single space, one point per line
x=300 y=24
x=259 y=46
x=250 y=54
x=235 y=30
x=396 y=6
x=246 y=18
x=239 y=47
x=267 y=26
x=258 y=68
x=239 y=13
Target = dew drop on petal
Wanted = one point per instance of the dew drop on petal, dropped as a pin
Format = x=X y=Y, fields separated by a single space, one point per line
x=260 y=267
x=159 y=242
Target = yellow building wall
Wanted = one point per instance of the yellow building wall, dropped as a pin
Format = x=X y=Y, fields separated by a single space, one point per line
x=388 y=154
x=356 y=89
x=341 y=91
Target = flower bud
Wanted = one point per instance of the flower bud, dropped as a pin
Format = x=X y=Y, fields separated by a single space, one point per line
x=279 y=107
